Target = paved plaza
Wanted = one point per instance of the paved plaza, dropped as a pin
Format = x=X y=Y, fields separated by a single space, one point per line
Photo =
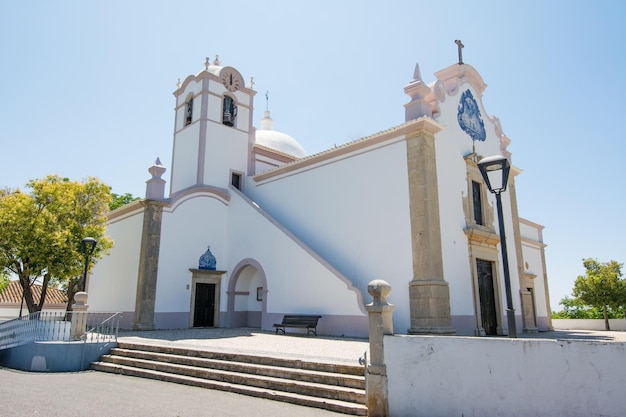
x=93 y=393
x=294 y=345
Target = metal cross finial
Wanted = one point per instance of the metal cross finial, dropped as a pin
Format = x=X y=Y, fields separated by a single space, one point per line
x=461 y=46
x=267 y=100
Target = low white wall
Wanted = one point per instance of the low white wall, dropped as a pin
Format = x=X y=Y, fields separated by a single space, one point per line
x=463 y=376
x=585 y=324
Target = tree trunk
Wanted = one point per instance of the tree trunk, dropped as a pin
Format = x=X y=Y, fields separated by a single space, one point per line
x=28 y=293
x=72 y=287
x=44 y=291
x=606 y=318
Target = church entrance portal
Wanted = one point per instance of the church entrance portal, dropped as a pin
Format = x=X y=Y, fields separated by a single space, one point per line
x=484 y=271
x=204 y=309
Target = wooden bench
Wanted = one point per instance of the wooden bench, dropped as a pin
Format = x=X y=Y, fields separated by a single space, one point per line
x=299 y=321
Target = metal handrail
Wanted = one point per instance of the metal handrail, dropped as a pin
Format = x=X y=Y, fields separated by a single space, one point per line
x=18 y=331
x=96 y=327
x=106 y=330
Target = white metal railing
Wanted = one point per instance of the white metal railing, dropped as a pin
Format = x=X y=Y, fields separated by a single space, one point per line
x=63 y=326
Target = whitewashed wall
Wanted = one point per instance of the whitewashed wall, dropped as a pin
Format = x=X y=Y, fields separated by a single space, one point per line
x=477 y=377
x=189 y=226
x=112 y=285
x=297 y=280
x=534 y=265
x=452 y=144
x=353 y=210
x=587 y=324
x=235 y=229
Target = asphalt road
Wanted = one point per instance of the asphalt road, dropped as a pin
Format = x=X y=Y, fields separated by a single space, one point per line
x=99 y=394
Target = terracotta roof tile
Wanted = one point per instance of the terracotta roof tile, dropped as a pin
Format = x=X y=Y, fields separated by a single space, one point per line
x=13 y=294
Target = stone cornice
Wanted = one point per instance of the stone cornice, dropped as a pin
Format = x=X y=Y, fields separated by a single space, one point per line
x=272 y=153
x=531 y=242
x=481 y=237
x=206 y=271
x=530 y=275
x=125 y=210
x=410 y=128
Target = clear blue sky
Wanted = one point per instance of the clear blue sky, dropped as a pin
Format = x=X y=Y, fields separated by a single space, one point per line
x=86 y=90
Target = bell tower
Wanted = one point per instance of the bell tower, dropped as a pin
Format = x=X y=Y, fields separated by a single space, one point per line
x=213 y=133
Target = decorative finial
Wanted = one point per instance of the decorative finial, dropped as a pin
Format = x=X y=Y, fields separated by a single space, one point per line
x=417 y=74
x=178 y=84
x=206 y=63
x=155 y=186
x=157 y=169
x=217 y=60
x=267 y=100
x=461 y=46
x=251 y=83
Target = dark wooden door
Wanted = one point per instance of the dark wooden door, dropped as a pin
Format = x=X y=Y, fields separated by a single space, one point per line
x=204 y=311
x=487 y=298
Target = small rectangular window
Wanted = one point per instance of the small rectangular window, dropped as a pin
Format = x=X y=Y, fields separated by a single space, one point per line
x=477 y=203
x=235 y=180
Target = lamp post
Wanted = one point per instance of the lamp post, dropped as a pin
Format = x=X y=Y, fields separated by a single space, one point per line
x=495 y=171
x=88 y=244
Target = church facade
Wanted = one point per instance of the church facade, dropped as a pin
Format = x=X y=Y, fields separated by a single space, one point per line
x=250 y=227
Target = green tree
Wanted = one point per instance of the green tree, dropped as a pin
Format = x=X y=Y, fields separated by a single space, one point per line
x=120 y=200
x=41 y=232
x=602 y=287
x=574 y=309
x=4 y=281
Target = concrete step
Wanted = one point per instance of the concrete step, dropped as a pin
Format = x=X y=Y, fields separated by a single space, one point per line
x=297 y=374
x=242 y=357
x=334 y=387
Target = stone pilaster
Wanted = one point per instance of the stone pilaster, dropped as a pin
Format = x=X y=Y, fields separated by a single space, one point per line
x=429 y=294
x=148 y=265
x=380 y=314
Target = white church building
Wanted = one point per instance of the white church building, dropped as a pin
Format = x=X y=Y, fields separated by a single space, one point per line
x=252 y=228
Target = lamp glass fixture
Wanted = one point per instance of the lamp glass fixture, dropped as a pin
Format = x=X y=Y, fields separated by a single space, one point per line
x=89 y=244
x=495 y=171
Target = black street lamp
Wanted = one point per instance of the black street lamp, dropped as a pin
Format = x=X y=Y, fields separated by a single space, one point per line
x=495 y=171
x=88 y=244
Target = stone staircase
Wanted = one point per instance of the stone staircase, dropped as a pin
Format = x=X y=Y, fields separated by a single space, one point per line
x=335 y=387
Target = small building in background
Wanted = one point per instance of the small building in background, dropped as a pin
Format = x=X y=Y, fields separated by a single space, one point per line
x=11 y=302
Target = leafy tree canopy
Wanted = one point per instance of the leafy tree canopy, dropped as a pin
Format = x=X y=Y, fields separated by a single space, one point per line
x=119 y=200
x=601 y=288
x=4 y=281
x=574 y=309
x=41 y=231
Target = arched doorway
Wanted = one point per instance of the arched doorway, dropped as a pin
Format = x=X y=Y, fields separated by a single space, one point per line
x=247 y=293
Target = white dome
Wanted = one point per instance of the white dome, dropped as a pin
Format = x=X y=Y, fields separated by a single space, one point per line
x=278 y=141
